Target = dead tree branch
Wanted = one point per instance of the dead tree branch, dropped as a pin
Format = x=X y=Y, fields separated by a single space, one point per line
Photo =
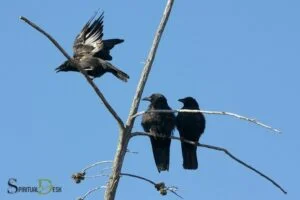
x=96 y=164
x=80 y=176
x=148 y=64
x=90 y=192
x=133 y=152
x=97 y=176
x=124 y=135
x=213 y=113
x=218 y=149
x=161 y=187
x=89 y=80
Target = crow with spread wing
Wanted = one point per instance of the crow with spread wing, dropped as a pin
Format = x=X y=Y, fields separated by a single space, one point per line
x=92 y=53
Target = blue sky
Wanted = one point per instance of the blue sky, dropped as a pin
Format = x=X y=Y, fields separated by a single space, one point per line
x=235 y=56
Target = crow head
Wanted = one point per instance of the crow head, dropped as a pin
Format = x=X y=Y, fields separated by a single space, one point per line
x=157 y=101
x=66 y=66
x=189 y=103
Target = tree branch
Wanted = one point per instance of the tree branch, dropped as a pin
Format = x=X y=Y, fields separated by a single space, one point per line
x=133 y=152
x=217 y=149
x=161 y=187
x=90 y=192
x=80 y=176
x=96 y=164
x=148 y=64
x=213 y=113
x=89 y=80
x=124 y=135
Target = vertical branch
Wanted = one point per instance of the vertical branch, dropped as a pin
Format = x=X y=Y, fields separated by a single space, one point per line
x=124 y=134
x=148 y=64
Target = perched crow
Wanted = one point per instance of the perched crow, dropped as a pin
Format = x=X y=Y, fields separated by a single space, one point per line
x=190 y=127
x=92 y=53
x=161 y=124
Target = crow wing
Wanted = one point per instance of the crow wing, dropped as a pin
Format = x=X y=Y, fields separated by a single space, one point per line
x=89 y=40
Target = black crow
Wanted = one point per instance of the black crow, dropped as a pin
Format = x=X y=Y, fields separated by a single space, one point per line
x=92 y=53
x=160 y=124
x=190 y=127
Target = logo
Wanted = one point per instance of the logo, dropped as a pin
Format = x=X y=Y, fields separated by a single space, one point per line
x=44 y=186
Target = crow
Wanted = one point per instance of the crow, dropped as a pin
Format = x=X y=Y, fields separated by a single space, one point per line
x=190 y=127
x=159 y=124
x=92 y=53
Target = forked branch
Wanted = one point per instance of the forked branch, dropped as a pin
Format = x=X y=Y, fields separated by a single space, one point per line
x=89 y=80
x=217 y=149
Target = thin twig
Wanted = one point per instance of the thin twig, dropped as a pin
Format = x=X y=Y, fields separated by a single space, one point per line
x=80 y=176
x=133 y=152
x=139 y=177
x=218 y=149
x=105 y=169
x=97 y=176
x=91 y=191
x=96 y=164
x=125 y=134
x=89 y=80
x=213 y=113
x=161 y=187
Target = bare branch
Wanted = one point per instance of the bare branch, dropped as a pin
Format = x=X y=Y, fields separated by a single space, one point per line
x=217 y=149
x=148 y=64
x=96 y=164
x=125 y=134
x=89 y=80
x=97 y=176
x=139 y=177
x=213 y=113
x=161 y=187
x=91 y=191
x=105 y=169
x=80 y=176
x=133 y=152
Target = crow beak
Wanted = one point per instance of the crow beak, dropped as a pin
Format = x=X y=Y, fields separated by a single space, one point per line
x=59 y=68
x=181 y=100
x=146 y=99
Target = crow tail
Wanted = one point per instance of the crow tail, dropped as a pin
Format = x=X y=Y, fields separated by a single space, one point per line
x=117 y=72
x=161 y=153
x=189 y=154
x=109 y=44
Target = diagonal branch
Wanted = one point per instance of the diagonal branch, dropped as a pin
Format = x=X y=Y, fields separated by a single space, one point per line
x=90 y=192
x=148 y=64
x=89 y=80
x=213 y=113
x=125 y=134
x=161 y=187
x=217 y=149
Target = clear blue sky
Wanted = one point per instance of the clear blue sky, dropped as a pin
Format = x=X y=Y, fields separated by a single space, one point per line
x=231 y=55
